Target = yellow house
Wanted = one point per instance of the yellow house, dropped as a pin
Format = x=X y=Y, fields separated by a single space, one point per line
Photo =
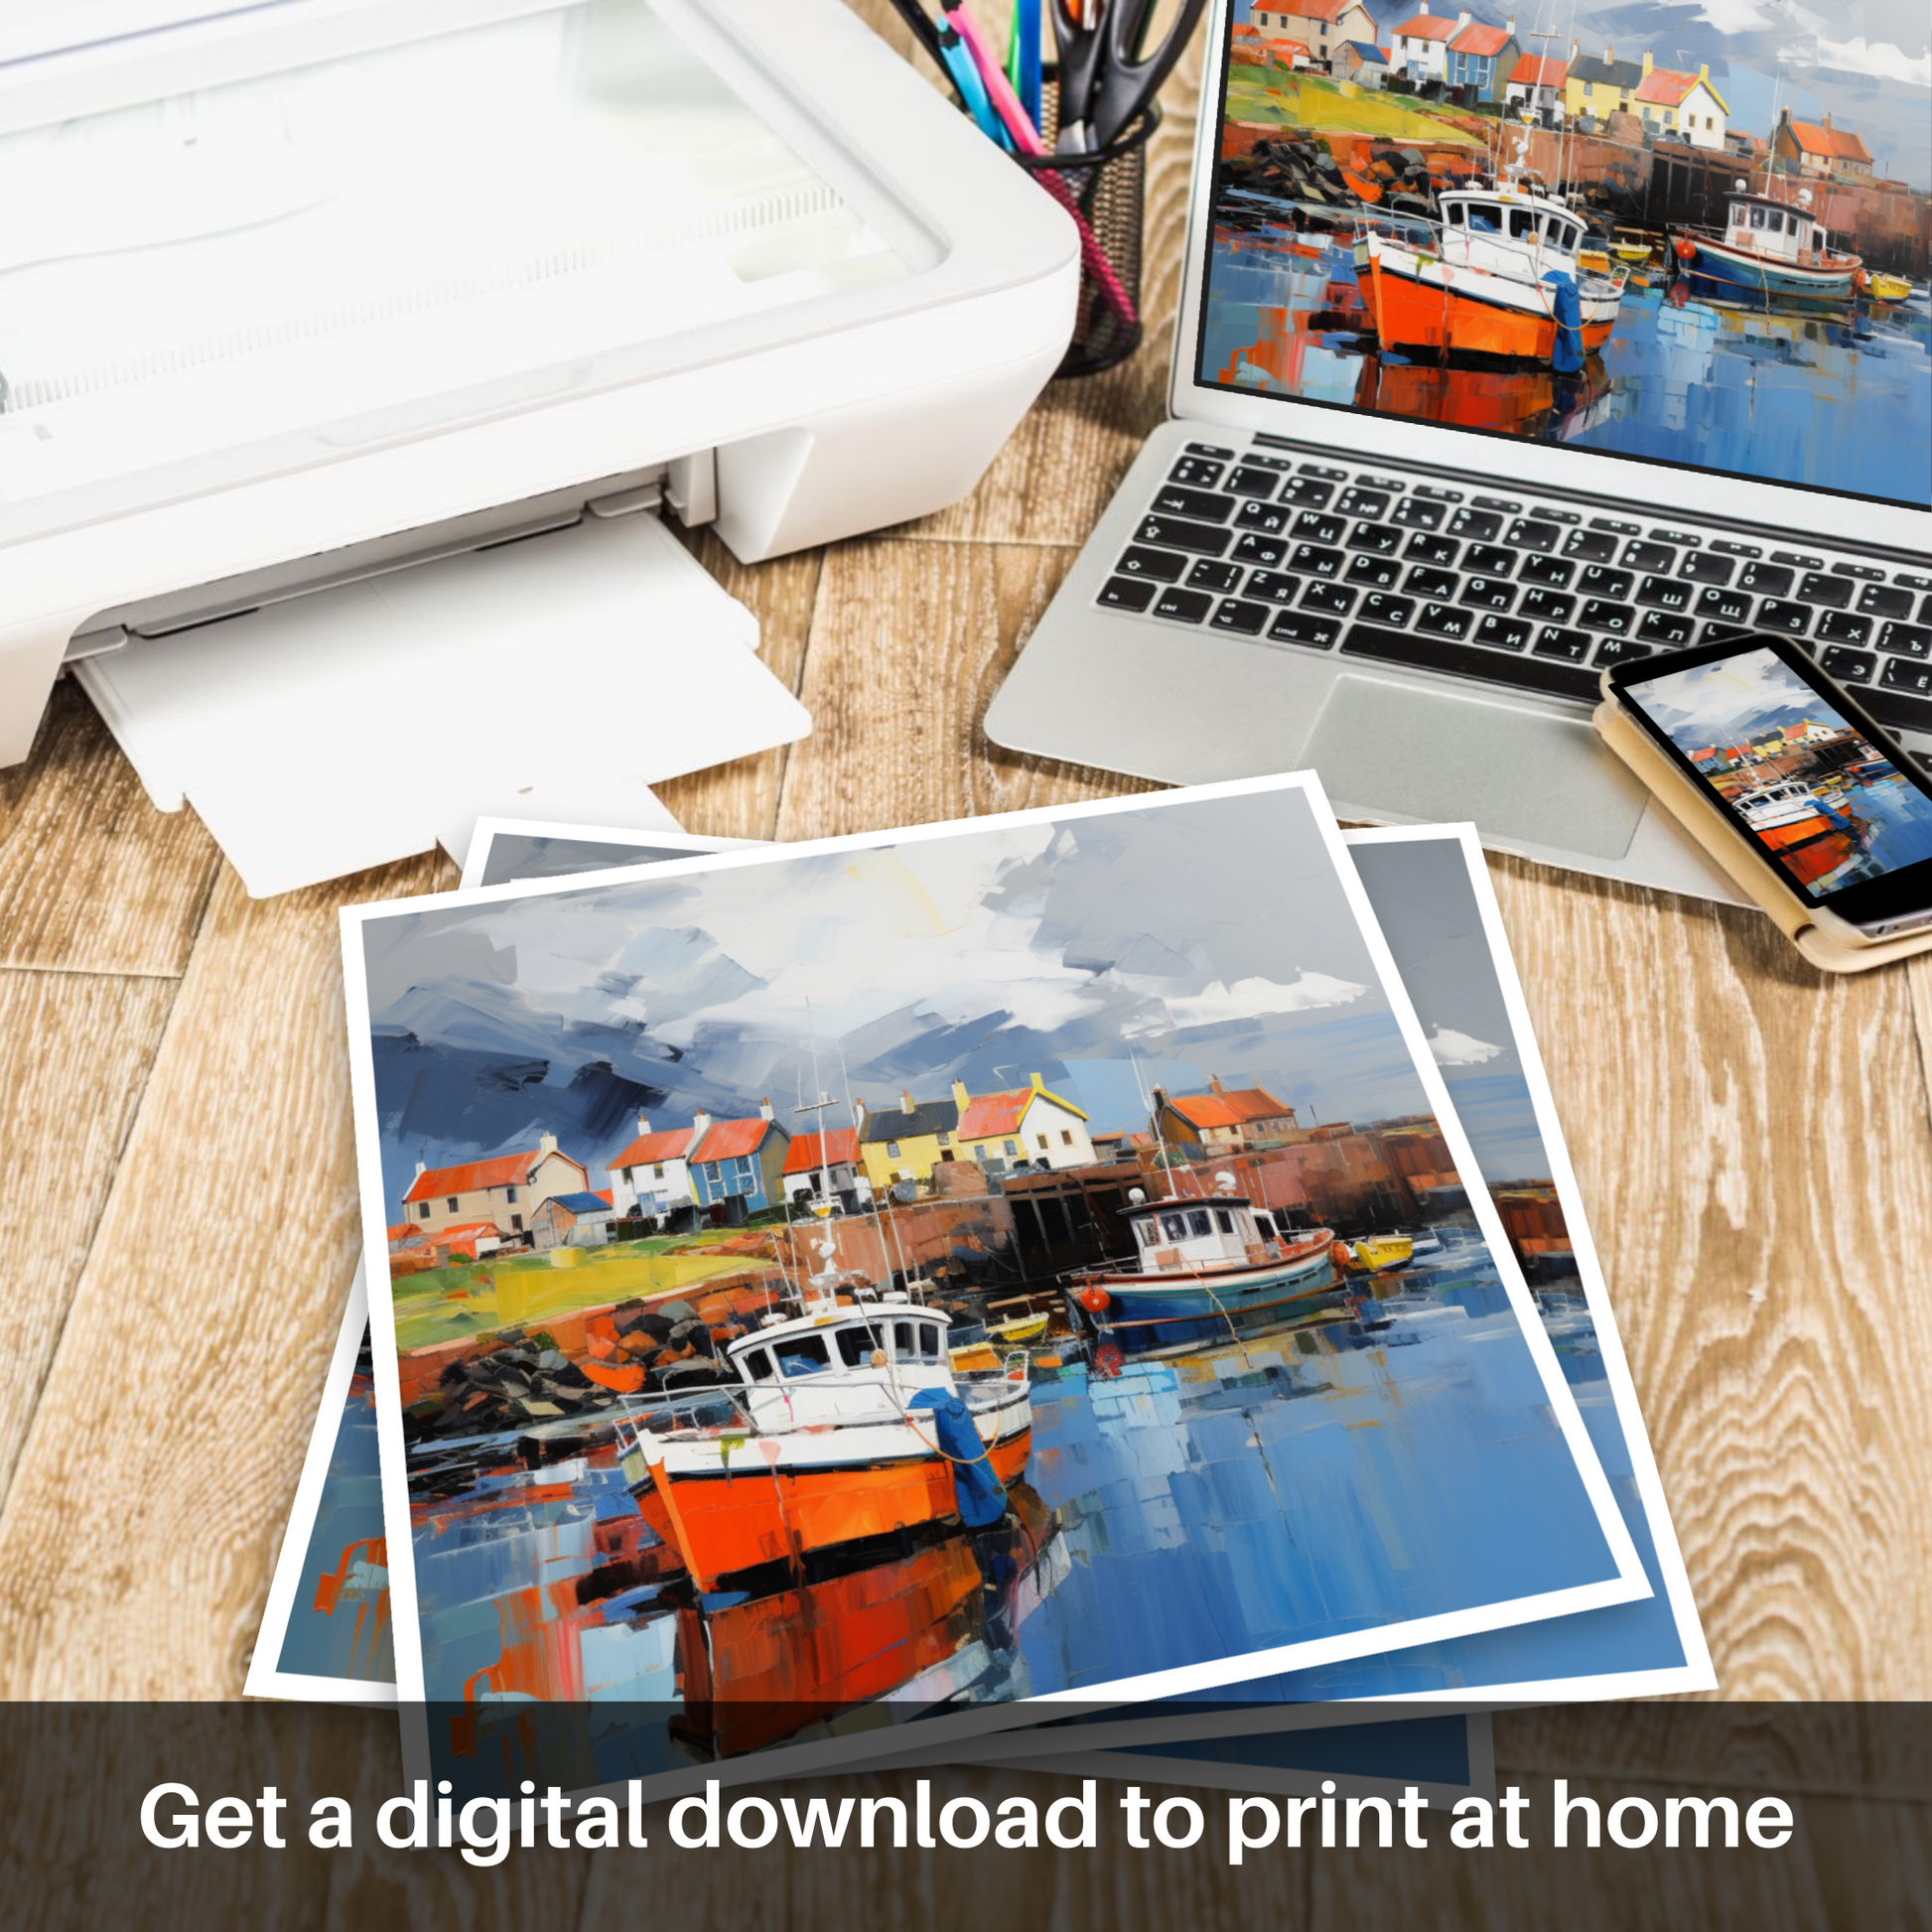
x=907 y=1141
x=1028 y=1125
x=1601 y=87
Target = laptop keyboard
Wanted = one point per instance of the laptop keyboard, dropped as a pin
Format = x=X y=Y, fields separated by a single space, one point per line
x=1523 y=593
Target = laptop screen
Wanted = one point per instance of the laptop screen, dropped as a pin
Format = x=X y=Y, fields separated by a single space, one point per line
x=1707 y=250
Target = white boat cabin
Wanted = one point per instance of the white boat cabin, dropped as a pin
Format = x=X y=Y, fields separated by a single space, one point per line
x=842 y=1364
x=1783 y=804
x=1781 y=230
x=1219 y=1231
x=1507 y=230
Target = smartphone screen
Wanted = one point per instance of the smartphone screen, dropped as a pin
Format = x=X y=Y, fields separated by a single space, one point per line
x=1821 y=793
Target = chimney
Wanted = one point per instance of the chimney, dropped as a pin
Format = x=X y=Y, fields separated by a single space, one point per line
x=420 y=1168
x=1610 y=54
x=961 y=1098
x=1646 y=60
x=905 y=1100
x=1160 y=1103
x=1509 y=25
x=1828 y=123
x=1703 y=70
x=701 y=1124
x=764 y=1108
x=1214 y=1084
x=1462 y=20
x=643 y=1123
x=1040 y=1085
x=546 y=1144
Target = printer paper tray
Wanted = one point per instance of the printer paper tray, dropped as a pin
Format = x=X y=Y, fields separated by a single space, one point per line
x=557 y=677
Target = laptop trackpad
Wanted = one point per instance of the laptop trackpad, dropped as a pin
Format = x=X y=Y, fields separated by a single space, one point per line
x=1432 y=756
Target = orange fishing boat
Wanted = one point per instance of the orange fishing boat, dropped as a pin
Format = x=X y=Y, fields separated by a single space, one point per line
x=1814 y=840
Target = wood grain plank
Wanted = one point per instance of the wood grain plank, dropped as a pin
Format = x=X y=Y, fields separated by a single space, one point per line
x=1851 y=1867
x=76 y=1050
x=910 y=642
x=137 y=1537
x=93 y=878
x=1759 y=1179
x=739 y=800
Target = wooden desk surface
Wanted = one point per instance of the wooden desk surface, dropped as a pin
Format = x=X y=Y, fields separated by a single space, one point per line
x=1753 y=1140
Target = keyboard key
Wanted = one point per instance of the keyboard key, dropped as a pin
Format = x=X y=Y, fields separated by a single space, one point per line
x=1554 y=641
x=1440 y=495
x=1767 y=580
x=1176 y=533
x=1866 y=573
x=1419 y=513
x=1553 y=572
x=1210 y=574
x=1880 y=601
x=1329 y=598
x=1357 y=501
x=1600 y=613
x=1210 y=449
x=1171 y=499
x=1480 y=525
x=1307 y=492
x=1895 y=709
x=1314 y=561
x=1840 y=628
x=1489 y=559
x=1392 y=612
x=1161 y=565
x=1907 y=640
x=1782 y=614
x=1247 y=480
x=1270 y=518
x=1616 y=525
x=1316 y=470
x=1379 y=573
x=1253 y=550
x=1664 y=593
x=1725 y=606
x=1446 y=621
x=1828 y=593
x=1424 y=549
x=1487 y=595
x=1276 y=586
x=1726 y=547
x=1502 y=634
x=1183 y=606
x=1619 y=650
x=1432 y=583
x=1313 y=527
x=1903 y=674
x=1196 y=472
x=1925 y=611
x=1546 y=607
x=1648 y=556
x=1592 y=546
x=1848 y=666
x=1598 y=582
x=1797 y=560
x=1381 y=538
x=1533 y=533
x=1281 y=465
x=1679 y=537
x=1665 y=627
x=1704 y=568
x=1127 y=593
x=1439 y=653
x=1507 y=505
x=1237 y=615
x=1299 y=627
x=1911 y=580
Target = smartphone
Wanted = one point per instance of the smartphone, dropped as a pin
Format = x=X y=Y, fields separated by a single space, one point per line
x=1839 y=812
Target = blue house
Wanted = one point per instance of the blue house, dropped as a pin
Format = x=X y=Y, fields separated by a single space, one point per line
x=743 y=1158
x=1482 y=58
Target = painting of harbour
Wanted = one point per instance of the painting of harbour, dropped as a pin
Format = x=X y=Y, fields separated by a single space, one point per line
x=1676 y=252
x=1016 y=1264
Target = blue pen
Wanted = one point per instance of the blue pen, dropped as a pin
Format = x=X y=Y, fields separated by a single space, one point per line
x=1025 y=78
x=972 y=89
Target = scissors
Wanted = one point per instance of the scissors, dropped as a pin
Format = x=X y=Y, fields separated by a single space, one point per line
x=1107 y=76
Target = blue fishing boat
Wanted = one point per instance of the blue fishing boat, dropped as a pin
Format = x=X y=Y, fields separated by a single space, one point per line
x=1771 y=255
x=1204 y=1268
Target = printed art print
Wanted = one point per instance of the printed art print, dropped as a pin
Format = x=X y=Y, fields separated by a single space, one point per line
x=805 y=1231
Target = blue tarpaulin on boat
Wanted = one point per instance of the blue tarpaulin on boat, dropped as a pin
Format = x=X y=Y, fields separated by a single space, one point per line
x=1567 y=355
x=976 y=1489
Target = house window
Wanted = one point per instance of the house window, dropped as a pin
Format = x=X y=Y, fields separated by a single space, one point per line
x=630 y=1176
x=657 y=1171
x=1066 y=1137
x=516 y=1223
x=945 y=1139
x=452 y=1203
x=509 y=1196
x=1012 y=1147
x=1041 y=1138
x=422 y=1210
x=744 y=1175
x=891 y=1150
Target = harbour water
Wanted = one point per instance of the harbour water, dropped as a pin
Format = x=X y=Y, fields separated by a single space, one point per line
x=1839 y=404
x=1331 y=1480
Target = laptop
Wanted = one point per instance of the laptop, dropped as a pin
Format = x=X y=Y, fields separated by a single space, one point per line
x=1447 y=436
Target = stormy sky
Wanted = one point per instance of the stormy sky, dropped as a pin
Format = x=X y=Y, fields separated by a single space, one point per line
x=1162 y=943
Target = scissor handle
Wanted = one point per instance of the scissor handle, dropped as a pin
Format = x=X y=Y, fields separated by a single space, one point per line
x=1128 y=79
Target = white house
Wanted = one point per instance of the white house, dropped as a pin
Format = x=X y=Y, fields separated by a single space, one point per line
x=1322 y=26
x=506 y=1191
x=1681 y=106
x=1419 y=47
x=1024 y=1124
x=651 y=1175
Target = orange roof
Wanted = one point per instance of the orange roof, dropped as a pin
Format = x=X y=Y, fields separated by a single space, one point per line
x=397 y=1229
x=1310 y=9
x=499 y=1171
x=1842 y=144
x=729 y=1139
x=988 y=1114
x=1539 y=71
x=1231 y=1109
x=604 y=1194
x=1481 y=40
x=461 y=1231
x=1424 y=27
x=840 y=1148
x=648 y=1148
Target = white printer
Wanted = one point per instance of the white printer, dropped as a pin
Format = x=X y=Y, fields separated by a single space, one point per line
x=310 y=309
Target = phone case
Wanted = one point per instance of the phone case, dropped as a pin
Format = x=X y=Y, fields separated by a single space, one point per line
x=1729 y=849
